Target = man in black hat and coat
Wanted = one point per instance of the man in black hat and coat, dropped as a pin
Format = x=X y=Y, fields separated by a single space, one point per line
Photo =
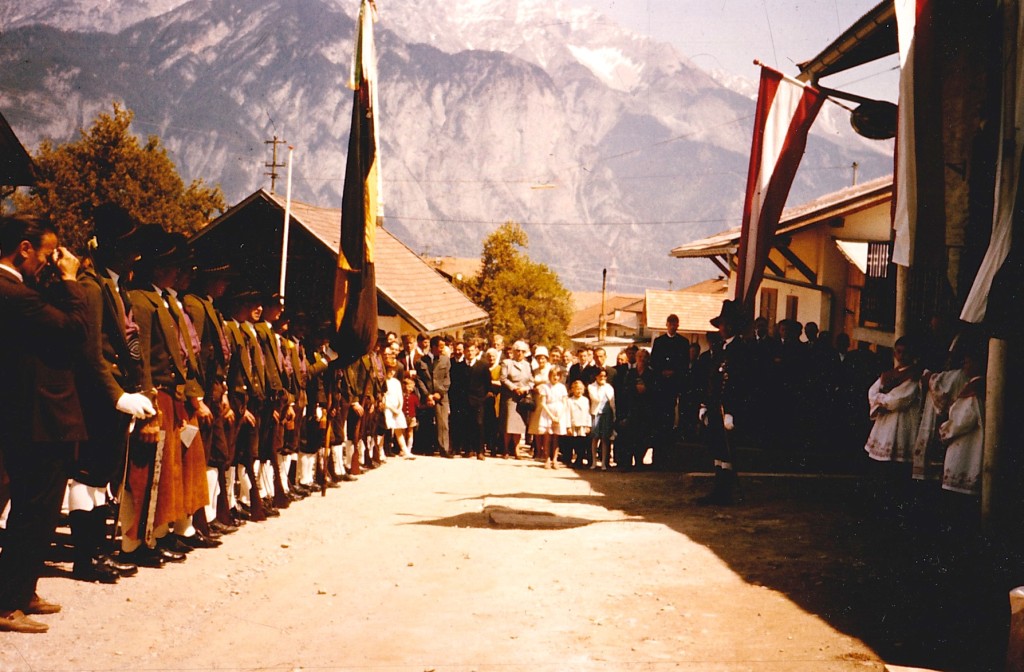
x=727 y=399
x=210 y=284
x=109 y=379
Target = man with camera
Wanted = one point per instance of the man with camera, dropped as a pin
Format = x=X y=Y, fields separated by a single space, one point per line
x=43 y=328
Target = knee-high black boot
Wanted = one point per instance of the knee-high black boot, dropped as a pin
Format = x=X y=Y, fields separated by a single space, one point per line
x=84 y=536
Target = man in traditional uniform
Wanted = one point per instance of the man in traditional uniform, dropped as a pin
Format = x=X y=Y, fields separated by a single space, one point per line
x=247 y=395
x=191 y=531
x=154 y=496
x=357 y=397
x=727 y=399
x=210 y=284
x=43 y=325
x=280 y=409
x=109 y=379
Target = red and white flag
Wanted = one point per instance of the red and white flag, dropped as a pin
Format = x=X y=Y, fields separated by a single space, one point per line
x=786 y=109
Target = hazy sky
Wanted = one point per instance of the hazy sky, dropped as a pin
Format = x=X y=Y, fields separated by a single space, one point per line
x=730 y=34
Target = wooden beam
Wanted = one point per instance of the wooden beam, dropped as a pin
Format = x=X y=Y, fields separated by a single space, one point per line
x=797 y=262
x=774 y=268
x=717 y=261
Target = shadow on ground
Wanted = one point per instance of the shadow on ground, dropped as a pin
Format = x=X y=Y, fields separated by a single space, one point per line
x=908 y=573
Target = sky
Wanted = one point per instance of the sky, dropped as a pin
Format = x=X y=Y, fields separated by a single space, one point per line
x=730 y=34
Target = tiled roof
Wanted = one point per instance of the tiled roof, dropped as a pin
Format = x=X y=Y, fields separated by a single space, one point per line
x=588 y=318
x=417 y=291
x=694 y=308
x=836 y=204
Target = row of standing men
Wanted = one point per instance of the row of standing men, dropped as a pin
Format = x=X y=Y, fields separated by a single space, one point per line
x=153 y=386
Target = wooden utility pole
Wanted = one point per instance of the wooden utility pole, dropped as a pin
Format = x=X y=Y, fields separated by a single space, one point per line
x=273 y=165
x=602 y=322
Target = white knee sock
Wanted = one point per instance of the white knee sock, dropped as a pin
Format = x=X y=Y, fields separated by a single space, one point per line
x=213 y=484
x=82 y=497
x=183 y=527
x=244 y=486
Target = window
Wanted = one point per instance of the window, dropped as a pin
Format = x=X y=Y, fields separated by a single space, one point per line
x=878 y=298
x=769 y=306
x=792 y=302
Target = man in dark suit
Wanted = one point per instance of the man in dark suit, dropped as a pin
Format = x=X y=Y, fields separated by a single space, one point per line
x=670 y=354
x=43 y=328
x=458 y=396
x=433 y=379
x=109 y=380
x=478 y=384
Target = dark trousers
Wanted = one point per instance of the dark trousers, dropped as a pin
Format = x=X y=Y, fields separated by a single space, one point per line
x=39 y=474
x=475 y=427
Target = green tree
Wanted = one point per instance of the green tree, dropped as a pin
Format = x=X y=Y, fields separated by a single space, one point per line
x=523 y=298
x=107 y=163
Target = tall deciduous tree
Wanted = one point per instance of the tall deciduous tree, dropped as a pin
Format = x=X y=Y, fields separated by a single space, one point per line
x=524 y=299
x=108 y=164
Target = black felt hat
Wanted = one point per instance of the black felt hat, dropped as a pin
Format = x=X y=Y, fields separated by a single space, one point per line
x=731 y=313
x=113 y=228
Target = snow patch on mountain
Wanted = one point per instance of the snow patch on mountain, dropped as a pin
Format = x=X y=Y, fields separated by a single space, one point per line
x=611 y=66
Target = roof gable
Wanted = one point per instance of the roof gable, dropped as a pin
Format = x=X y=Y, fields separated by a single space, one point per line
x=419 y=293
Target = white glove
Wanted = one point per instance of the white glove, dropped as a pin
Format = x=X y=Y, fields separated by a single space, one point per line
x=727 y=422
x=330 y=354
x=136 y=405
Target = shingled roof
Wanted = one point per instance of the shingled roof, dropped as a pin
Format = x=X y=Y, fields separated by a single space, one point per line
x=836 y=204
x=695 y=306
x=418 y=293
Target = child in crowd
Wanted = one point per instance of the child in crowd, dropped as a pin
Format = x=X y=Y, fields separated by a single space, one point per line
x=553 y=413
x=963 y=433
x=602 y=409
x=895 y=406
x=580 y=422
x=394 y=416
x=410 y=404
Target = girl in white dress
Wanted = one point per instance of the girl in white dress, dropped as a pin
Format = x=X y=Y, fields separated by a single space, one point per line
x=394 y=418
x=580 y=422
x=553 y=407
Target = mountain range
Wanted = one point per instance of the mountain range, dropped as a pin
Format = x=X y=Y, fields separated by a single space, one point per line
x=609 y=148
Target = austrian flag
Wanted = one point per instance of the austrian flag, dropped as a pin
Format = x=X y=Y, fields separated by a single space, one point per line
x=786 y=109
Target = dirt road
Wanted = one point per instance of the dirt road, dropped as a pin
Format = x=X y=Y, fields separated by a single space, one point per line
x=459 y=565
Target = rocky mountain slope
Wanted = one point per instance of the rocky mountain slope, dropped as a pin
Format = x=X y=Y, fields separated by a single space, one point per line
x=608 y=147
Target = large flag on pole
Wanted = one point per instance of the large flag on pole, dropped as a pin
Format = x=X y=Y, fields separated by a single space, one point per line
x=919 y=181
x=786 y=109
x=355 y=286
x=1009 y=194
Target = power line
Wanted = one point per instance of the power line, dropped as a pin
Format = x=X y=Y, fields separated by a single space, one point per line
x=498 y=222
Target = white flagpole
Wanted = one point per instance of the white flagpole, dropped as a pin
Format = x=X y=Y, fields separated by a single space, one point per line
x=287 y=223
